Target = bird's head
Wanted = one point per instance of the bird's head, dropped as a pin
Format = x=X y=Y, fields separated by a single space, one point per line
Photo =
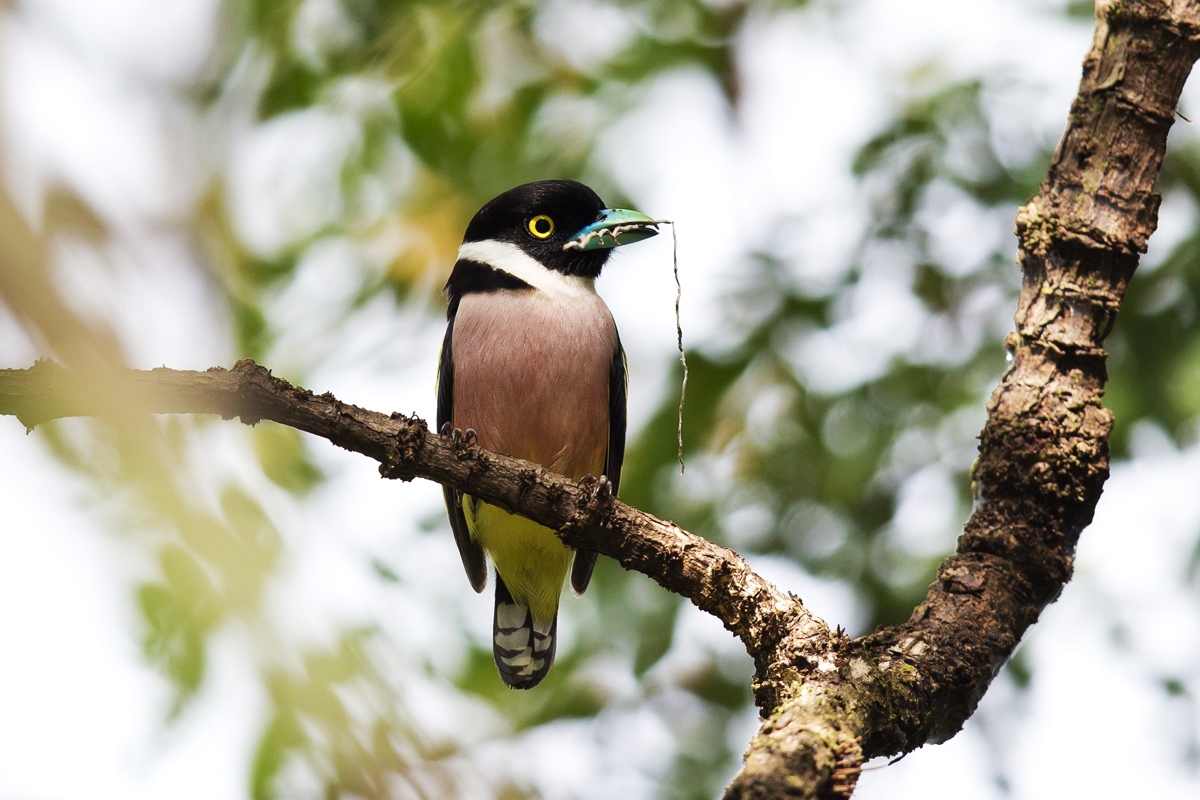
x=563 y=225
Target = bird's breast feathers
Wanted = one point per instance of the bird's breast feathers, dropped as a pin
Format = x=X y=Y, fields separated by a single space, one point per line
x=531 y=373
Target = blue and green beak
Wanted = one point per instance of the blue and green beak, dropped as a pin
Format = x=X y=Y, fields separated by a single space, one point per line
x=615 y=227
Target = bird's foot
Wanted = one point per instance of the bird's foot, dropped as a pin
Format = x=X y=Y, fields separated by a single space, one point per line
x=600 y=488
x=459 y=437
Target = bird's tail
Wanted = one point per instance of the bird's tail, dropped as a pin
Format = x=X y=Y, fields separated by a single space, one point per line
x=522 y=646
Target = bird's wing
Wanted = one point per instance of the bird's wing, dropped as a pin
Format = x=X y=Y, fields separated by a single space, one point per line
x=618 y=398
x=473 y=558
x=618 y=395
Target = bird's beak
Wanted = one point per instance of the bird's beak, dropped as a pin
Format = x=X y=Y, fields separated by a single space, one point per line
x=616 y=226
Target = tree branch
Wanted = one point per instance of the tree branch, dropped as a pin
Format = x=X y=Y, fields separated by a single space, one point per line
x=715 y=579
x=1043 y=455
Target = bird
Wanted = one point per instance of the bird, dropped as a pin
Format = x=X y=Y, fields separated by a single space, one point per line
x=532 y=363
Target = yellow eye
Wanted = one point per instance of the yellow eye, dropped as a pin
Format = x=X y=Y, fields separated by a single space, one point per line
x=541 y=226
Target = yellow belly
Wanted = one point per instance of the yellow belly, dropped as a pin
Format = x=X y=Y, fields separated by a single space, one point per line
x=529 y=558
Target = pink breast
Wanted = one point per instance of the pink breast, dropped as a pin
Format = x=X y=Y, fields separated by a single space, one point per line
x=531 y=376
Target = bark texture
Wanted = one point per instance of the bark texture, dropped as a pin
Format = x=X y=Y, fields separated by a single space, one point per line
x=1043 y=455
x=714 y=578
x=829 y=702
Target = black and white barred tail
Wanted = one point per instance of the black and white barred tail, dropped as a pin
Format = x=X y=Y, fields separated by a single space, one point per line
x=522 y=647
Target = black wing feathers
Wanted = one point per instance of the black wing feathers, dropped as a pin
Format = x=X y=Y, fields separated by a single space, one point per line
x=473 y=559
x=585 y=560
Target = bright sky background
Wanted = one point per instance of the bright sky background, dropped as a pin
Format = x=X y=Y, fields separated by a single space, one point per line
x=85 y=98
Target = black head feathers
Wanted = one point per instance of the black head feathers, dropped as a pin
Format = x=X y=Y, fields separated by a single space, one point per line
x=541 y=218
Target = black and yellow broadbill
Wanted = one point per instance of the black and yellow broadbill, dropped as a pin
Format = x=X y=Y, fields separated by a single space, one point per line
x=533 y=364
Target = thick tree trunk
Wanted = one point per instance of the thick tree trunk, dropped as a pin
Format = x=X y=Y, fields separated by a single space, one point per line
x=1043 y=455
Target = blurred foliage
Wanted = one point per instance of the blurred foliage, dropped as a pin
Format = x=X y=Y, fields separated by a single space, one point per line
x=818 y=475
x=318 y=720
x=444 y=104
x=1155 y=355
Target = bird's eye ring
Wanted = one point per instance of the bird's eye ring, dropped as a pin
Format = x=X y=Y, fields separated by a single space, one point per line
x=541 y=226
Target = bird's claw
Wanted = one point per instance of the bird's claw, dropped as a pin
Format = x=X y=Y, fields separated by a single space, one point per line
x=600 y=488
x=459 y=437
x=455 y=434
